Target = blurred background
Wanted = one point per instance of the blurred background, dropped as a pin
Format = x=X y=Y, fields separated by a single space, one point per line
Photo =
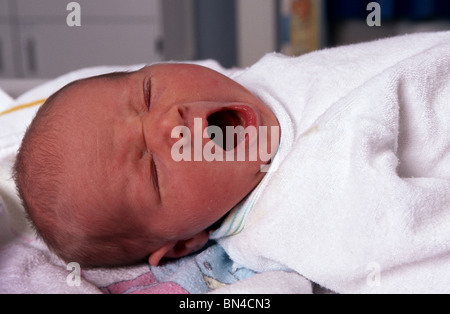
x=37 y=42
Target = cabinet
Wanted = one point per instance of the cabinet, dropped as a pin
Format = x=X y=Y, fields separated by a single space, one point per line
x=40 y=43
x=6 y=52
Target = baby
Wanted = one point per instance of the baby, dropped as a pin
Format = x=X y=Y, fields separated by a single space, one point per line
x=96 y=171
x=356 y=200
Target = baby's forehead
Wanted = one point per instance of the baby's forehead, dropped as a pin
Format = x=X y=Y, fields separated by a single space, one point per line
x=75 y=111
x=87 y=94
x=88 y=82
x=107 y=79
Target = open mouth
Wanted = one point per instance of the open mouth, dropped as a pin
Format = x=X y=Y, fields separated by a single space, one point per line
x=231 y=123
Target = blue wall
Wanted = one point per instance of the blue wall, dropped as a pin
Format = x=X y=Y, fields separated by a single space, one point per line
x=391 y=9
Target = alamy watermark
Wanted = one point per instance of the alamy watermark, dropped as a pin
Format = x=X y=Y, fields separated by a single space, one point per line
x=230 y=146
x=374 y=18
x=373 y=279
x=74 y=278
x=74 y=17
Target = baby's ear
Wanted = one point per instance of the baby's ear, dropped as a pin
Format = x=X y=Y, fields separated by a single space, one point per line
x=179 y=248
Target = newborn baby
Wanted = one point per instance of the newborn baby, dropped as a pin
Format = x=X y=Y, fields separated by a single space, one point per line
x=96 y=170
x=356 y=198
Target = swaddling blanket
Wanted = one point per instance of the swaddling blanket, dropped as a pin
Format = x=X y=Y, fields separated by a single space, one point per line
x=360 y=200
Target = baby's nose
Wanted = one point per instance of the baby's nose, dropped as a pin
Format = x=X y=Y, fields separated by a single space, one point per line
x=159 y=127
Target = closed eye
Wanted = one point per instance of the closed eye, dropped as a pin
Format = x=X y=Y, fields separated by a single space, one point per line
x=147 y=92
x=155 y=180
x=153 y=169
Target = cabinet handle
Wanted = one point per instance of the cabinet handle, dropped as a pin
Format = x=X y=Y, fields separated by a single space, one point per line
x=2 y=61
x=30 y=51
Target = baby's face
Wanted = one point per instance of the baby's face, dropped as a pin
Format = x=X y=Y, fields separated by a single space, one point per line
x=120 y=145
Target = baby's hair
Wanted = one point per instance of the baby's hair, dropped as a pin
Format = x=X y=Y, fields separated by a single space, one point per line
x=55 y=212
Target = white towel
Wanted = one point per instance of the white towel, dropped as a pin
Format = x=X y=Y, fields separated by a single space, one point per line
x=360 y=201
x=5 y=100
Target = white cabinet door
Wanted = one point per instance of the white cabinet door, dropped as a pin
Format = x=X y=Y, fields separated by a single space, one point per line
x=7 y=61
x=89 y=8
x=51 y=50
x=4 y=11
x=112 y=32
